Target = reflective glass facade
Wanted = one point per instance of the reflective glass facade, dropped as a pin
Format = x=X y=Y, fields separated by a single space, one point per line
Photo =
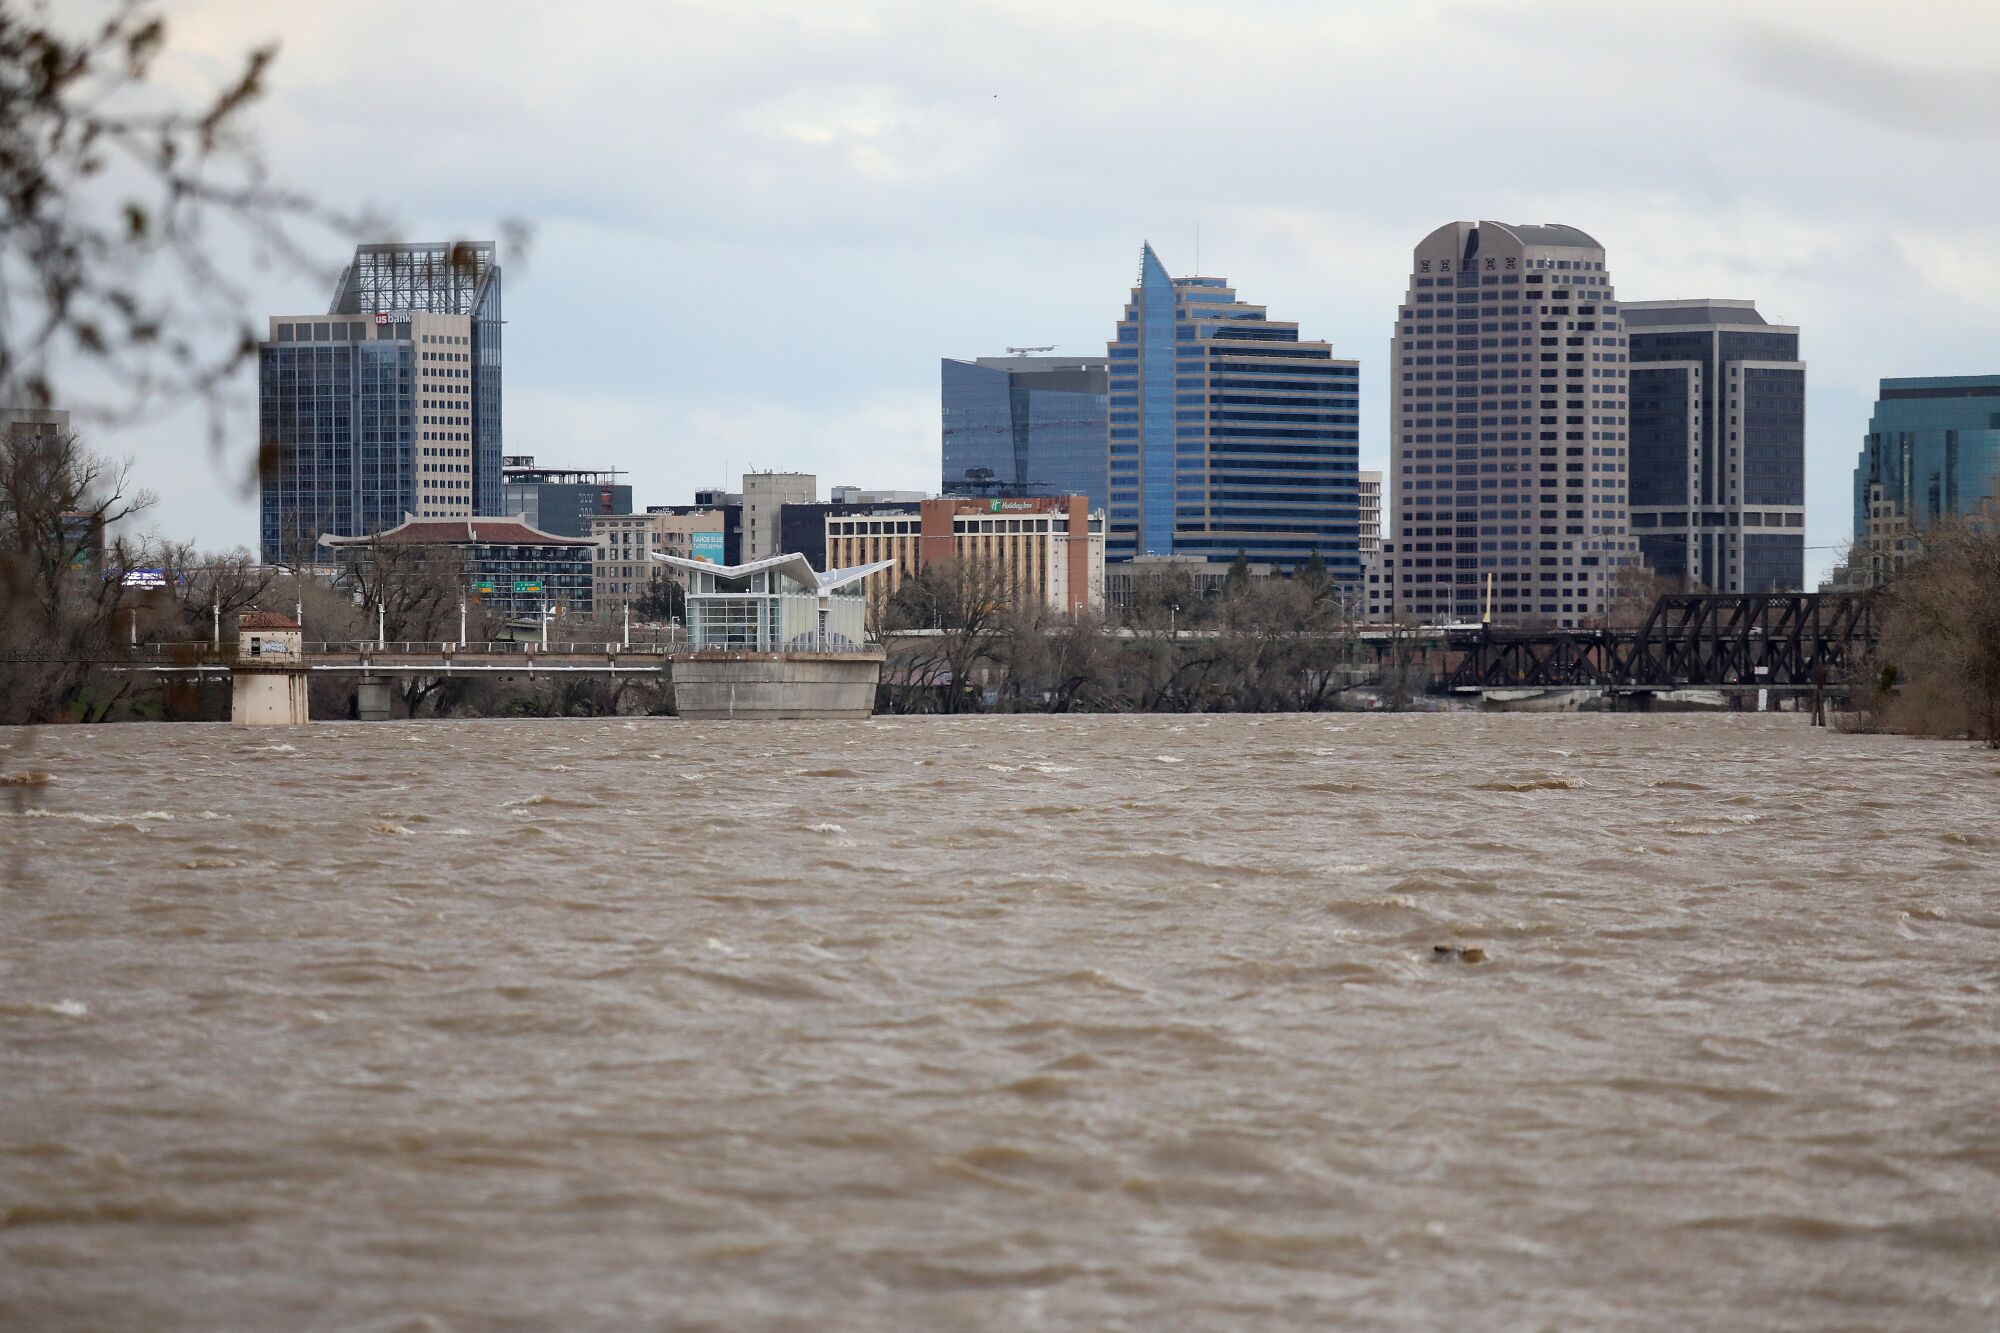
x=1227 y=434
x=364 y=416
x=1932 y=451
x=1021 y=426
x=335 y=406
x=1717 y=444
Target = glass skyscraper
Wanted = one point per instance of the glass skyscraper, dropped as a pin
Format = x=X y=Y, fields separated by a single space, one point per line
x=1024 y=425
x=1509 y=481
x=1932 y=451
x=1228 y=434
x=387 y=405
x=1718 y=444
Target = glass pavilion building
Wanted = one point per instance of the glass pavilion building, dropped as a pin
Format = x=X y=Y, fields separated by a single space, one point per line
x=1227 y=433
x=388 y=404
x=1019 y=426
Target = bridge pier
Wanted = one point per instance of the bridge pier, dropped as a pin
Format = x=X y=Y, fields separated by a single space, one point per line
x=371 y=699
x=267 y=682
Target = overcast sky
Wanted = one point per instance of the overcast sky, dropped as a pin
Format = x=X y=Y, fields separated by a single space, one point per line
x=757 y=226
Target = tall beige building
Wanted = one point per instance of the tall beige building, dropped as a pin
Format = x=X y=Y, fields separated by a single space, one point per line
x=1509 y=397
x=764 y=495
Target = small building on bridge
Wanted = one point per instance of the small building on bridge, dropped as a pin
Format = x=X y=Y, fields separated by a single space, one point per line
x=268 y=684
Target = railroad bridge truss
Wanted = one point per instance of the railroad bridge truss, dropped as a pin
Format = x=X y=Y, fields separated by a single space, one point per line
x=1783 y=641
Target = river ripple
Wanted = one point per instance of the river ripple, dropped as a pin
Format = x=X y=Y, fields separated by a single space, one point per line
x=1099 y=1022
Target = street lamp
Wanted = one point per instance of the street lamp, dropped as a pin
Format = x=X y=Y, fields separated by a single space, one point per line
x=1173 y=620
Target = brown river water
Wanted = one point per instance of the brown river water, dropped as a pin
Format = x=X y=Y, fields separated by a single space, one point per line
x=999 y=1023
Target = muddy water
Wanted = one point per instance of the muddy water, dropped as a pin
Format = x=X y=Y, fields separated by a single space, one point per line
x=1107 y=1023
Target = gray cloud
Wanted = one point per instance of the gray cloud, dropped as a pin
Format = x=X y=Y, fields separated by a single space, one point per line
x=1932 y=103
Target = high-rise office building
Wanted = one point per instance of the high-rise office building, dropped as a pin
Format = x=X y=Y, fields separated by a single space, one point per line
x=1024 y=425
x=1228 y=434
x=1717 y=444
x=387 y=405
x=1932 y=452
x=1509 y=462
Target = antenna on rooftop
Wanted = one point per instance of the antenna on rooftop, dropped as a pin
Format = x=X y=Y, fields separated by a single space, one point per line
x=1023 y=351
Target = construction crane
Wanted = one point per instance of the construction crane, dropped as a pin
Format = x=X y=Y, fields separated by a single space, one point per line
x=1023 y=351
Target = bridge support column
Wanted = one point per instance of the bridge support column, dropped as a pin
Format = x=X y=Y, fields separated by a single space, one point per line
x=270 y=697
x=371 y=699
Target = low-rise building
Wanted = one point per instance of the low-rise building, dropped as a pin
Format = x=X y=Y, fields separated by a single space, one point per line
x=560 y=500
x=627 y=543
x=509 y=567
x=802 y=527
x=856 y=495
x=1043 y=550
x=1194 y=577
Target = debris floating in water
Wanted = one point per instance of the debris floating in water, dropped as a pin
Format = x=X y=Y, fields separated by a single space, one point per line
x=1456 y=953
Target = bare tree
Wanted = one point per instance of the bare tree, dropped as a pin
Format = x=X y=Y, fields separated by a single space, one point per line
x=967 y=605
x=417 y=586
x=1941 y=634
x=61 y=578
x=211 y=589
x=1635 y=589
x=110 y=190
x=1055 y=662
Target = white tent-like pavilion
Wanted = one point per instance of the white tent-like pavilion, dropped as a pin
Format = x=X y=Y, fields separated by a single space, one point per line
x=777 y=604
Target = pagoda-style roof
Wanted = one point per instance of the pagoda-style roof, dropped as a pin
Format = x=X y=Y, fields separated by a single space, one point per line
x=497 y=530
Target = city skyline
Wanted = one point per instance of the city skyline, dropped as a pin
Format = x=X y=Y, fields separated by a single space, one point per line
x=1882 y=280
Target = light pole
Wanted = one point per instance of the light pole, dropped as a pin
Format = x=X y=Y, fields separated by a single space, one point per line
x=461 y=620
x=381 y=626
x=1173 y=621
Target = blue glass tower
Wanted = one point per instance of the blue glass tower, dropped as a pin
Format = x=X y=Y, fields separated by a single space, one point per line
x=1226 y=433
x=1024 y=425
x=387 y=405
x=1932 y=451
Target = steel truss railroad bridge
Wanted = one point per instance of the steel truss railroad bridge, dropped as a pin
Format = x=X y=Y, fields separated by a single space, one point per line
x=1777 y=641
